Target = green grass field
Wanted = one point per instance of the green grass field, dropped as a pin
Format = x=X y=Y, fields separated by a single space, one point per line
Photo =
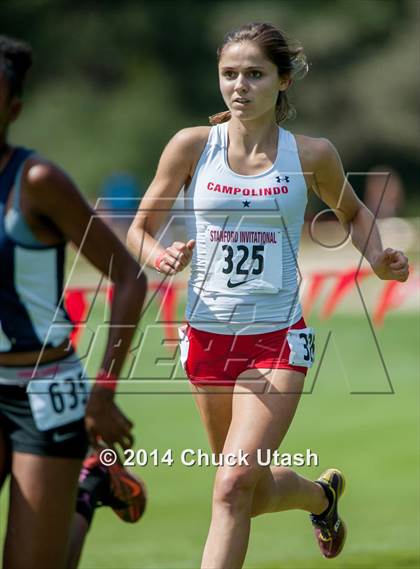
x=372 y=436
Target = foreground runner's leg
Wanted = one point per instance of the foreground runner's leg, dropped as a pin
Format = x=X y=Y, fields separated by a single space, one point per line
x=259 y=421
x=42 y=497
x=100 y=485
x=113 y=486
x=79 y=531
x=5 y=458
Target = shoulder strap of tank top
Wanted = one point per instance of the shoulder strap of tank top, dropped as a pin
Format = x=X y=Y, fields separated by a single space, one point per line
x=8 y=176
x=287 y=141
x=223 y=133
x=216 y=135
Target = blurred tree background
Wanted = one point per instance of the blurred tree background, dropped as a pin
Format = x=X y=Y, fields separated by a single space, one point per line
x=113 y=81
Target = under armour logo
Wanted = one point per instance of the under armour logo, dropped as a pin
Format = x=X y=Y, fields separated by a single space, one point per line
x=281 y=179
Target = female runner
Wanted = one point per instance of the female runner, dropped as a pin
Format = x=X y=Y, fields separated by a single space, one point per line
x=44 y=419
x=246 y=181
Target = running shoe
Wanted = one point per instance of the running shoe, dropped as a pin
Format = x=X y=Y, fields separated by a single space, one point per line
x=113 y=486
x=329 y=528
x=128 y=494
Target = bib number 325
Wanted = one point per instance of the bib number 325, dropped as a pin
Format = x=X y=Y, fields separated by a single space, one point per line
x=302 y=347
x=257 y=259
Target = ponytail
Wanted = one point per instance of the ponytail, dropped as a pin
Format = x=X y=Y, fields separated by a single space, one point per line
x=219 y=118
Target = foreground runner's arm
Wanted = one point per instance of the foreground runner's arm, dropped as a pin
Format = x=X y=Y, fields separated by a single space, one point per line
x=334 y=189
x=175 y=170
x=50 y=193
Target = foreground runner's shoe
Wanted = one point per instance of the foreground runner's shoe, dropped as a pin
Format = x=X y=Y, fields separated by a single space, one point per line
x=329 y=528
x=112 y=486
x=128 y=494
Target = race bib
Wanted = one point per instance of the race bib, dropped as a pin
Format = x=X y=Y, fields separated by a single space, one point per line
x=60 y=400
x=244 y=260
x=302 y=347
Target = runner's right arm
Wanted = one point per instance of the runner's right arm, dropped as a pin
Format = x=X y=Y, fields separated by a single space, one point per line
x=175 y=170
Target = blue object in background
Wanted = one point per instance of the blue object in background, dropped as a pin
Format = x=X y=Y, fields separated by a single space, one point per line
x=120 y=191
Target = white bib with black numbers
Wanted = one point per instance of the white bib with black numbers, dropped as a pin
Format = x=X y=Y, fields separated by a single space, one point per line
x=244 y=260
x=59 y=400
x=302 y=347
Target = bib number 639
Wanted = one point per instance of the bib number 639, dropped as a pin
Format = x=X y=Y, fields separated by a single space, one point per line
x=58 y=401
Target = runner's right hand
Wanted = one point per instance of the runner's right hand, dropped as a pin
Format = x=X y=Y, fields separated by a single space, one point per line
x=104 y=420
x=176 y=257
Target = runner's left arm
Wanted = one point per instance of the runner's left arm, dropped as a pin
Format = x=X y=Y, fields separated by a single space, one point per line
x=54 y=198
x=332 y=186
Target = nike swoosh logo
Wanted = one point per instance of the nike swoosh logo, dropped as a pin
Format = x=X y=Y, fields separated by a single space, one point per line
x=230 y=284
x=60 y=437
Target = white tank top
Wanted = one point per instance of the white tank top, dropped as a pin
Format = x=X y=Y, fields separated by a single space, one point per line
x=244 y=273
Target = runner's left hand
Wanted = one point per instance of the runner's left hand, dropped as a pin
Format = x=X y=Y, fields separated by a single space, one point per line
x=391 y=264
x=105 y=420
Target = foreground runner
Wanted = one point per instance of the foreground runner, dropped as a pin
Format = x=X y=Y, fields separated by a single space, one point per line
x=44 y=409
x=244 y=181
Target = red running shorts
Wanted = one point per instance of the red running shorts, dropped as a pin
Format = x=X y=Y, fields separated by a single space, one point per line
x=218 y=359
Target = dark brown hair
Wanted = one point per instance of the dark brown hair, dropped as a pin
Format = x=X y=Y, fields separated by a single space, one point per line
x=16 y=59
x=288 y=56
